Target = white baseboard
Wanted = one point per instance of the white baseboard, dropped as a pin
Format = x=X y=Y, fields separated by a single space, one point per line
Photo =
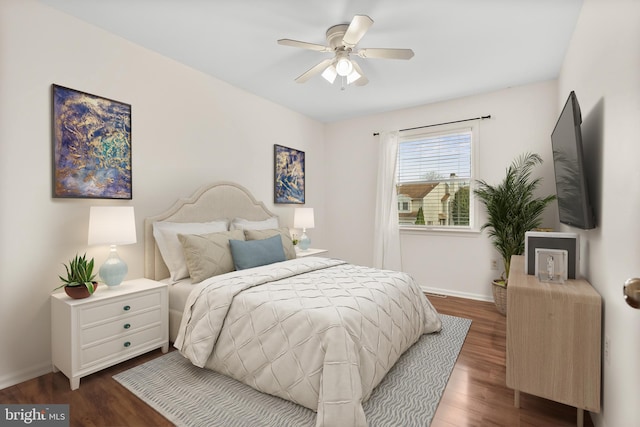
x=25 y=374
x=449 y=292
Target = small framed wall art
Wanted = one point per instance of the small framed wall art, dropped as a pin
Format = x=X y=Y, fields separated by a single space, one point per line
x=91 y=146
x=289 y=173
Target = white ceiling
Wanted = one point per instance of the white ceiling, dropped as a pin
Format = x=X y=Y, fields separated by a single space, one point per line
x=462 y=47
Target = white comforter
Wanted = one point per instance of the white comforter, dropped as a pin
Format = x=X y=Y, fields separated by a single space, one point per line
x=315 y=331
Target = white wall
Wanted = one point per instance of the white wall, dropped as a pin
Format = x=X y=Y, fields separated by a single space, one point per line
x=454 y=263
x=188 y=130
x=602 y=66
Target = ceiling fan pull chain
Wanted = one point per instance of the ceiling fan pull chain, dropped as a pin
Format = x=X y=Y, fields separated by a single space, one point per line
x=342 y=80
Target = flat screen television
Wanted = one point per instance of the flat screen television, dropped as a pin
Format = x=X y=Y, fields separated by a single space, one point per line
x=574 y=205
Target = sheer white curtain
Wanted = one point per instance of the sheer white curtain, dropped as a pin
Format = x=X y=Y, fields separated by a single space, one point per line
x=386 y=243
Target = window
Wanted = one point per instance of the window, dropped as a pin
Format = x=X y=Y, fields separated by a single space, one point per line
x=434 y=175
x=404 y=204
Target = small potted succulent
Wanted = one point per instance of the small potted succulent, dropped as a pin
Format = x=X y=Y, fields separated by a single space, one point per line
x=79 y=282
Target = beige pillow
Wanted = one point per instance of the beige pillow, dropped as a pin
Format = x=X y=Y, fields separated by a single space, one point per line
x=287 y=243
x=166 y=235
x=208 y=255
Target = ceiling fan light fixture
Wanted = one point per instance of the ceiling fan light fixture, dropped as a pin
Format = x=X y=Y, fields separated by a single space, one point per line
x=342 y=40
x=330 y=73
x=344 y=67
x=353 y=76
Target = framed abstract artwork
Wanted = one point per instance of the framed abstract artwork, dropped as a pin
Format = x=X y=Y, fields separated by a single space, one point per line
x=289 y=175
x=91 y=146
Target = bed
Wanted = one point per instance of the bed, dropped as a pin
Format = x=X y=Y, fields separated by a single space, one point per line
x=316 y=331
x=214 y=202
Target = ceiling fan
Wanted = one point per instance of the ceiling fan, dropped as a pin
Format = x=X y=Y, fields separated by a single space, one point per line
x=342 y=40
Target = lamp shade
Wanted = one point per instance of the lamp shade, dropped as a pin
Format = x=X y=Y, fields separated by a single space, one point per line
x=112 y=225
x=303 y=218
x=330 y=74
x=343 y=64
x=353 y=76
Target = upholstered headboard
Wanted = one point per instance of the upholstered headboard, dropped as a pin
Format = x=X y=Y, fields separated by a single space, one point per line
x=221 y=200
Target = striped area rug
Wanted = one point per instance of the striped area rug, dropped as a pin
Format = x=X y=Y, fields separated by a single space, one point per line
x=195 y=397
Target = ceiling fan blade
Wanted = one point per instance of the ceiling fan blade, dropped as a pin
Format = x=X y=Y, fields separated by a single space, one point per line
x=360 y=24
x=363 y=80
x=385 y=53
x=305 y=45
x=316 y=69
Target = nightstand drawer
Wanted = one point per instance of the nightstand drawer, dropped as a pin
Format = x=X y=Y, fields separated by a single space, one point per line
x=119 y=327
x=120 y=307
x=120 y=346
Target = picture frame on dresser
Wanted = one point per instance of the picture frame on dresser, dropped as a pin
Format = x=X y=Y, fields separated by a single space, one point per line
x=551 y=265
x=552 y=240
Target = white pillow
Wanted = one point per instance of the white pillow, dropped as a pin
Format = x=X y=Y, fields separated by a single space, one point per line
x=166 y=235
x=245 y=224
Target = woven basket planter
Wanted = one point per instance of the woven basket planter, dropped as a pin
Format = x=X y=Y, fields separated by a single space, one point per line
x=500 y=298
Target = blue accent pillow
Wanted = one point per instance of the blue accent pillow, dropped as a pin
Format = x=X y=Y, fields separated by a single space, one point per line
x=254 y=253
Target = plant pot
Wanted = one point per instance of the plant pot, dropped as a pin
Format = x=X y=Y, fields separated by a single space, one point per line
x=79 y=292
x=500 y=296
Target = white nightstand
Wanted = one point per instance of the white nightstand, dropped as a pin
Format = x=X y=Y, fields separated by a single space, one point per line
x=112 y=325
x=311 y=252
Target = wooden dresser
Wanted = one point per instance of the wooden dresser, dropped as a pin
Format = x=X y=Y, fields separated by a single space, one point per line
x=553 y=340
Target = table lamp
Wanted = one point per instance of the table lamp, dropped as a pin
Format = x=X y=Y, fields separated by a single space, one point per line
x=111 y=225
x=303 y=218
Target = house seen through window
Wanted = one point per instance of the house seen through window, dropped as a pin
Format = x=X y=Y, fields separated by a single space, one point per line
x=434 y=175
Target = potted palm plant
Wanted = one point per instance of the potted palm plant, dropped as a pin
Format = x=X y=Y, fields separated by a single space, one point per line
x=79 y=282
x=512 y=210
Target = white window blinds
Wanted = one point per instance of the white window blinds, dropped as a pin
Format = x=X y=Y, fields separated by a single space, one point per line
x=433 y=178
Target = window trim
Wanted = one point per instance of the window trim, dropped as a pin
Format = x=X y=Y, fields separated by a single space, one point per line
x=412 y=135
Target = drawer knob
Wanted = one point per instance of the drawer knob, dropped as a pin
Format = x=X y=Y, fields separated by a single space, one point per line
x=127 y=344
x=126 y=308
x=127 y=325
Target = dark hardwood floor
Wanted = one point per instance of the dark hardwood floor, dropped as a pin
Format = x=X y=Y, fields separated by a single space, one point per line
x=476 y=394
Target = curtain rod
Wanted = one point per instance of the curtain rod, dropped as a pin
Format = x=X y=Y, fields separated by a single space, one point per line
x=439 y=124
